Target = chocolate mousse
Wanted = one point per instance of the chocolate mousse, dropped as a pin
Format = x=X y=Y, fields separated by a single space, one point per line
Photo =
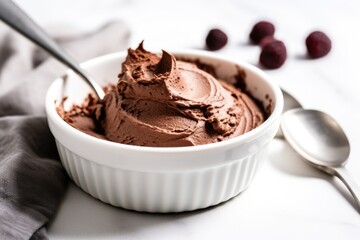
x=159 y=101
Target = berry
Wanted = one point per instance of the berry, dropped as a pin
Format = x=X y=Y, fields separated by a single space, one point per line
x=318 y=44
x=266 y=40
x=261 y=30
x=273 y=55
x=216 y=39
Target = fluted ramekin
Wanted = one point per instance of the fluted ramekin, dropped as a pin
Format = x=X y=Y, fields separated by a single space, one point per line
x=162 y=179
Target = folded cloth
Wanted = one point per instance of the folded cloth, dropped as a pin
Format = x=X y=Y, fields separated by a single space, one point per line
x=32 y=180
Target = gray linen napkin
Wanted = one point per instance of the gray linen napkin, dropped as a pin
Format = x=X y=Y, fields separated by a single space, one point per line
x=32 y=180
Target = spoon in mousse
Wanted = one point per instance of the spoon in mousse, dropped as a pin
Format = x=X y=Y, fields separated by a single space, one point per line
x=12 y=15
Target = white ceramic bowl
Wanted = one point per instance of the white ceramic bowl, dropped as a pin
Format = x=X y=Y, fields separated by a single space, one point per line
x=159 y=179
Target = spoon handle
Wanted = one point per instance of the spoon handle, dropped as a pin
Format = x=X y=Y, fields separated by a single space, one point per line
x=349 y=182
x=12 y=15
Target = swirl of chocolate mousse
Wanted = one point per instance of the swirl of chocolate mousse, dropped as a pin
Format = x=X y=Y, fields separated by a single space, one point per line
x=160 y=101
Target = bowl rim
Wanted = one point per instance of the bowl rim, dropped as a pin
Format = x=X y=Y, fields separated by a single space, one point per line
x=246 y=137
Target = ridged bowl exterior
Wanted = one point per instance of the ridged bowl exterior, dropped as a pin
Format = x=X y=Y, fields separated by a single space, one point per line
x=164 y=192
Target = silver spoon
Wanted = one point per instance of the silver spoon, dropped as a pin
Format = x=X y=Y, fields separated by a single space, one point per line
x=12 y=15
x=289 y=103
x=318 y=138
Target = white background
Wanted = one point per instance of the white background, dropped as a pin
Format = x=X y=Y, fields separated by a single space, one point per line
x=288 y=199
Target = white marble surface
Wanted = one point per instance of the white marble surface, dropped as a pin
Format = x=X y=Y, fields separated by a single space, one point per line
x=288 y=199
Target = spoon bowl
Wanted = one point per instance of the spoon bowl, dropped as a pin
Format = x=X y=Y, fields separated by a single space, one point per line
x=320 y=140
x=316 y=136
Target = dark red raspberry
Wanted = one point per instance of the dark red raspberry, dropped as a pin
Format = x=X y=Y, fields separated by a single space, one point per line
x=273 y=55
x=266 y=40
x=216 y=39
x=318 y=44
x=261 y=30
